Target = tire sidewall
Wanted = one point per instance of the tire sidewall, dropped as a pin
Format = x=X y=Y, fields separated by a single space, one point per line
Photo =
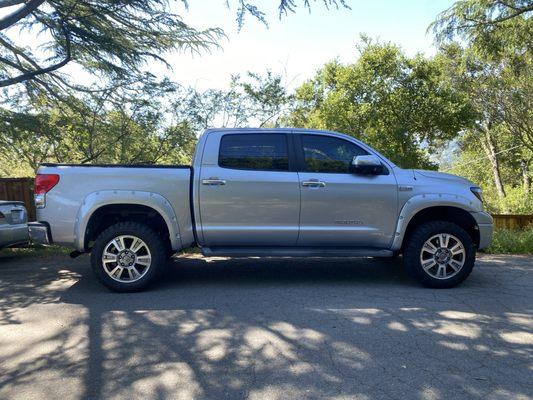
x=414 y=247
x=152 y=240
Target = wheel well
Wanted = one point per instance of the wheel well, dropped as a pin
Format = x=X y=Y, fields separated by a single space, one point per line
x=455 y=215
x=106 y=216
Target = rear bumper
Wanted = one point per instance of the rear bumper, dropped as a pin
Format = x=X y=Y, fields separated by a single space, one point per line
x=11 y=235
x=40 y=232
x=485 y=226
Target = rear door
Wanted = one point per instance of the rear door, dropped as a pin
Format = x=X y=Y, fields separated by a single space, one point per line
x=339 y=208
x=249 y=192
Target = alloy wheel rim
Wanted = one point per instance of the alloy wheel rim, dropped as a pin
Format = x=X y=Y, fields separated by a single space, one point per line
x=442 y=256
x=126 y=258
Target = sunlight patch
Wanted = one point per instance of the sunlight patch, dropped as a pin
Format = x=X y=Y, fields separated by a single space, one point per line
x=518 y=337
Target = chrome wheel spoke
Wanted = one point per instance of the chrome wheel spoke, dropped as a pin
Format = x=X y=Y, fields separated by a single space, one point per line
x=457 y=249
x=144 y=260
x=134 y=272
x=119 y=243
x=109 y=257
x=441 y=271
x=429 y=247
x=456 y=266
x=444 y=239
x=427 y=264
x=136 y=245
x=116 y=272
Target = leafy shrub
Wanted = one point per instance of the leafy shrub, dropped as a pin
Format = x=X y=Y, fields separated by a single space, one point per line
x=507 y=241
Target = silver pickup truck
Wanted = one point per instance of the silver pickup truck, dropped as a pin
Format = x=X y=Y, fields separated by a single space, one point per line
x=263 y=192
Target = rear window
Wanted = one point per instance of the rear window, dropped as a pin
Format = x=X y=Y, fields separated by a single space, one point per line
x=254 y=151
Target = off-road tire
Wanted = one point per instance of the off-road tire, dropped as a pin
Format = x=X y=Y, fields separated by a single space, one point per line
x=154 y=242
x=417 y=239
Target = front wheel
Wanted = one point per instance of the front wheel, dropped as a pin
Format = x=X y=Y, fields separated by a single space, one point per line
x=439 y=254
x=128 y=256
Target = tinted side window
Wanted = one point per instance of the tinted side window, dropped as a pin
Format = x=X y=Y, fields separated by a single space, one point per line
x=329 y=154
x=254 y=151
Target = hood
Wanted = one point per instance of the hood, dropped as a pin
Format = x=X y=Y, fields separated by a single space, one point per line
x=442 y=175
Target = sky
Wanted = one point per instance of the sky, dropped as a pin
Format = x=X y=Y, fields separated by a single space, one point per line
x=301 y=42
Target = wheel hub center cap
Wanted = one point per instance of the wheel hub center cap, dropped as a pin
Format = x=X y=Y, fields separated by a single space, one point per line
x=442 y=256
x=126 y=258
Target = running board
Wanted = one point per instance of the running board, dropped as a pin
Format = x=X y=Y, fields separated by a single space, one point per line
x=295 y=252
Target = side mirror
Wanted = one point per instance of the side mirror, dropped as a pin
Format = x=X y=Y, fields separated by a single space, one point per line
x=366 y=165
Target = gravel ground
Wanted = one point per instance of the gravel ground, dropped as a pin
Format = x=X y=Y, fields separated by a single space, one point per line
x=265 y=329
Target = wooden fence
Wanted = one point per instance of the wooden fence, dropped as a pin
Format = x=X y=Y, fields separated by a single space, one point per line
x=20 y=189
x=512 y=221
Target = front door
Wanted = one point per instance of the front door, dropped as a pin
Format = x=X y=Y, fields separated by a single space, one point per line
x=339 y=208
x=248 y=194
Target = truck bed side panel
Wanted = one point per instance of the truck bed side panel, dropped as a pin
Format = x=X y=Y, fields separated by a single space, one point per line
x=65 y=200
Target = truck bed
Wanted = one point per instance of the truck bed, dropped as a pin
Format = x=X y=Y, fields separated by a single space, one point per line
x=79 y=185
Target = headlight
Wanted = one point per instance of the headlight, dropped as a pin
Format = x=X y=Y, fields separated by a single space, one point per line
x=477 y=192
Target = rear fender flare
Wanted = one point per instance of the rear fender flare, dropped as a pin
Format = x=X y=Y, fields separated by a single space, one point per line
x=95 y=200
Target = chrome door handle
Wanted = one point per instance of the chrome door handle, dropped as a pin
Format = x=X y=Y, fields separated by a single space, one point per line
x=315 y=183
x=213 y=182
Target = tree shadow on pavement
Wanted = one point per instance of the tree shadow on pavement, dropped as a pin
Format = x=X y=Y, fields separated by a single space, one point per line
x=276 y=329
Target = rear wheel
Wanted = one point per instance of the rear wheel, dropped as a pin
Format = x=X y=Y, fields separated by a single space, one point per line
x=128 y=256
x=439 y=254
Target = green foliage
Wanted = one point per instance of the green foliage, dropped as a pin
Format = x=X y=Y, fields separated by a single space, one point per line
x=493 y=68
x=402 y=106
x=126 y=125
x=255 y=99
x=512 y=242
x=495 y=28
x=472 y=164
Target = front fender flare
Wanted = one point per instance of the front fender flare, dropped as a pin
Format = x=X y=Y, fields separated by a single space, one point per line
x=95 y=200
x=420 y=202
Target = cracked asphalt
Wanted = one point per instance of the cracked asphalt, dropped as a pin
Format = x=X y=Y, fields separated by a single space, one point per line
x=266 y=329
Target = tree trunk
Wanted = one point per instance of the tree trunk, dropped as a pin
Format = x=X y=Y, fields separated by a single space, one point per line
x=490 y=148
x=526 y=179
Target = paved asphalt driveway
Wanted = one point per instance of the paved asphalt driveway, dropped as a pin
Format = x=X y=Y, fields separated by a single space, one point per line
x=266 y=329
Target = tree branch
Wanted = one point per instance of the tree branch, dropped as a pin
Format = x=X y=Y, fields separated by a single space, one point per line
x=20 y=13
x=32 y=74
x=9 y=3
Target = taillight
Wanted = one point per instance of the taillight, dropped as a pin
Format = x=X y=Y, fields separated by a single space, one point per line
x=43 y=184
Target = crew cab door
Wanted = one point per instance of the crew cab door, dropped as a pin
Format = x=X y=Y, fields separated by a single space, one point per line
x=248 y=194
x=339 y=208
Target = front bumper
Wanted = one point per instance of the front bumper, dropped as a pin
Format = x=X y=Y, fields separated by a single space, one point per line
x=40 y=232
x=11 y=235
x=485 y=225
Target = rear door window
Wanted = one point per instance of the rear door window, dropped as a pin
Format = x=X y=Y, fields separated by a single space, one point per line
x=267 y=152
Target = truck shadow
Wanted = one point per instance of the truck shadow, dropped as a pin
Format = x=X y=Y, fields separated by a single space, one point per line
x=257 y=271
